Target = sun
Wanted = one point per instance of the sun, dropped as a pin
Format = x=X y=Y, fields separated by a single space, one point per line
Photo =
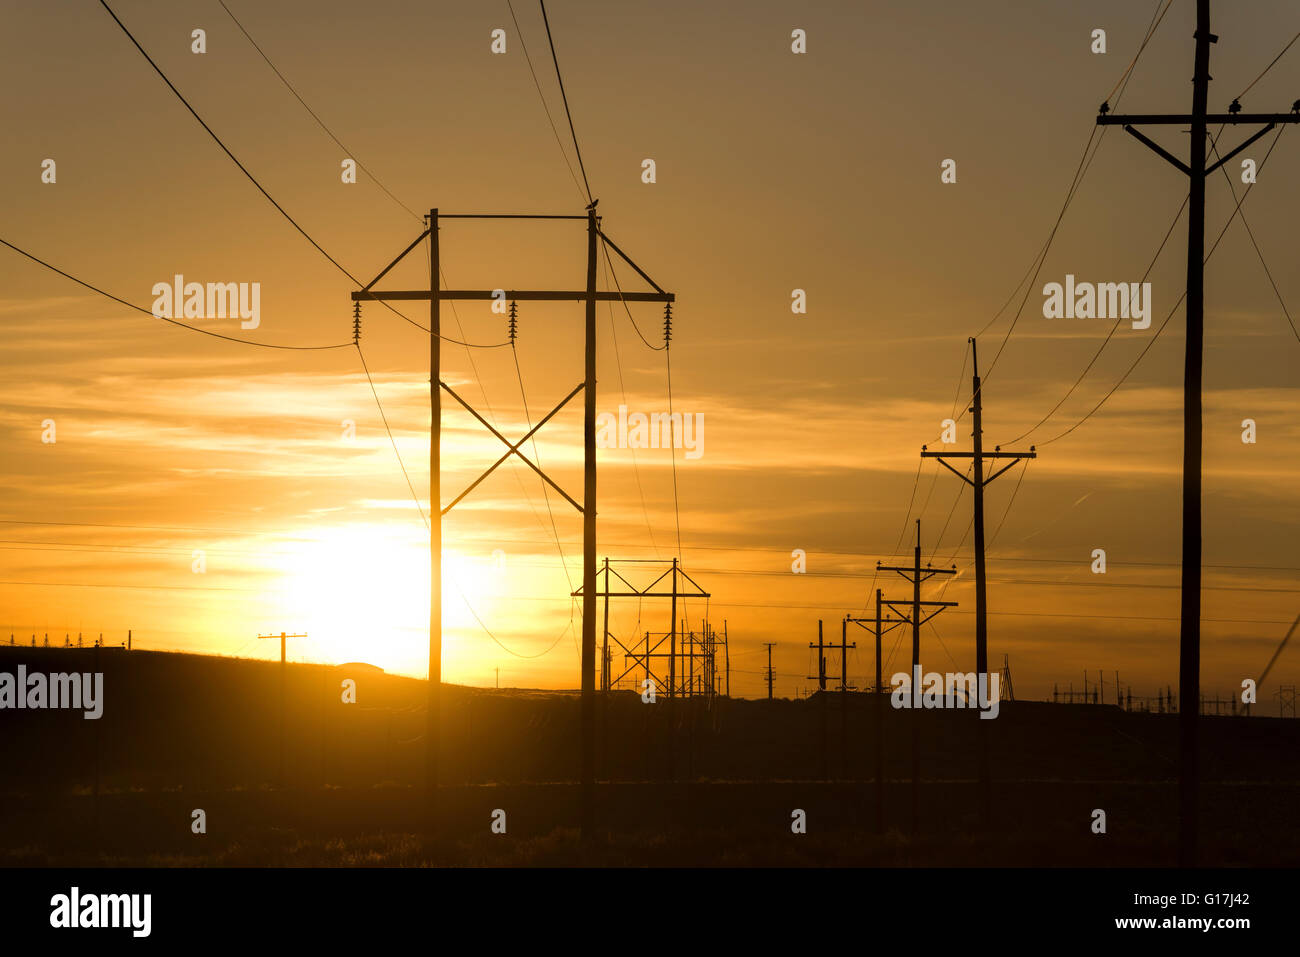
x=361 y=593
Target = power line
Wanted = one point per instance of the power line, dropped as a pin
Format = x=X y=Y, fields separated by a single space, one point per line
x=614 y=275
x=1152 y=340
x=1251 y=233
x=542 y=96
x=252 y=179
x=415 y=498
x=1269 y=67
x=1151 y=29
x=1024 y=467
x=1113 y=329
x=319 y=121
x=242 y=168
x=563 y=96
x=1085 y=163
x=636 y=466
x=148 y=312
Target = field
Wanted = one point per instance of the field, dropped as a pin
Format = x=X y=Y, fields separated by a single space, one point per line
x=687 y=782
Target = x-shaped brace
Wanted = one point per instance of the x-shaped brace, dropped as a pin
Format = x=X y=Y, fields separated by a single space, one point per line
x=512 y=448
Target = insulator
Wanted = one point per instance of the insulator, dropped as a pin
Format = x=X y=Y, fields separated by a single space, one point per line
x=356 y=322
x=668 y=322
x=1235 y=107
x=513 y=325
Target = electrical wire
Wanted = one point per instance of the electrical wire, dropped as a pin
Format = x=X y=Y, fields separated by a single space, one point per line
x=1252 y=83
x=1258 y=252
x=1152 y=340
x=563 y=96
x=1109 y=335
x=252 y=179
x=542 y=96
x=319 y=122
x=147 y=312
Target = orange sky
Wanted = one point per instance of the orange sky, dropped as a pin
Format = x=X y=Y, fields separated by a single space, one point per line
x=775 y=172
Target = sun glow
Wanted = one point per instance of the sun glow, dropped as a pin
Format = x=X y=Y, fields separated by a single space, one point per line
x=361 y=593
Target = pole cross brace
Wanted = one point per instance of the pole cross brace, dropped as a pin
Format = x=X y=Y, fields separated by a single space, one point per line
x=1013 y=456
x=511 y=448
x=886 y=624
x=928 y=572
x=893 y=606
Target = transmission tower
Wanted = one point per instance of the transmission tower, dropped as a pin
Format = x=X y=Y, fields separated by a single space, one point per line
x=435 y=295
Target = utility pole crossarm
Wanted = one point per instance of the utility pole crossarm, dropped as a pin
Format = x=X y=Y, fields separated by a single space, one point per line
x=1012 y=457
x=521 y=295
x=1185 y=119
x=1270 y=120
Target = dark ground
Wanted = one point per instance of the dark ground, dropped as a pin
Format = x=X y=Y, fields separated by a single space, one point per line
x=685 y=782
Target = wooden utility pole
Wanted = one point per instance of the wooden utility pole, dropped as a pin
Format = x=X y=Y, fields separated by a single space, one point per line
x=844 y=696
x=978 y=482
x=588 y=705
x=821 y=687
x=879 y=626
x=436 y=295
x=1189 y=645
x=916 y=576
x=433 y=698
x=283 y=665
x=604 y=644
x=726 y=651
x=672 y=639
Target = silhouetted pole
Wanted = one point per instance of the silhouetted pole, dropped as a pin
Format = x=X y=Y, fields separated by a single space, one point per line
x=283 y=665
x=726 y=651
x=880 y=731
x=589 y=546
x=604 y=647
x=1189 y=649
x=821 y=687
x=672 y=639
x=916 y=575
x=916 y=601
x=821 y=658
x=433 y=705
x=844 y=655
x=844 y=698
x=916 y=666
x=879 y=683
x=770 y=675
x=978 y=482
x=1189 y=644
x=881 y=625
